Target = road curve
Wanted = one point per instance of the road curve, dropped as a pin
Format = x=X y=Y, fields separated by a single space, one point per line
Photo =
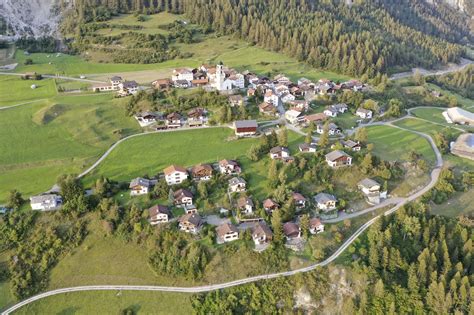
x=212 y=287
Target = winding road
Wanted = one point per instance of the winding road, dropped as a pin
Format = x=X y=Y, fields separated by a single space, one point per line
x=212 y=287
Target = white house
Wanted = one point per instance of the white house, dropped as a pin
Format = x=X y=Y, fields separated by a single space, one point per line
x=146 y=118
x=315 y=226
x=185 y=74
x=338 y=158
x=46 y=202
x=175 y=174
x=278 y=153
x=190 y=223
x=128 y=88
x=227 y=233
x=325 y=202
x=272 y=98
x=333 y=129
x=293 y=116
x=237 y=184
x=229 y=167
x=287 y=97
x=371 y=189
x=261 y=233
x=245 y=204
x=331 y=111
x=364 y=113
x=183 y=198
x=159 y=214
x=140 y=186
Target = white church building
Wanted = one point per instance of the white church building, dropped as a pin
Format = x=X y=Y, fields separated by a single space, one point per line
x=221 y=82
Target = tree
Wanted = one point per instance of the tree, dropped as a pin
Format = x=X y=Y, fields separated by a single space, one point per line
x=70 y=186
x=28 y=61
x=161 y=189
x=202 y=190
x=324 y=138
x=361 y=135
x=277 y=226
x=309 y=137
x=15 y=200
x=418 y=78
x=283 y=137
x=304 y=224
x=367 y=164
x=273 y=174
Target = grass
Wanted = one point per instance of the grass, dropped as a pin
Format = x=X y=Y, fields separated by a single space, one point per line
x=151 y=153
x=14 y=90
x=460 y=203
x=111 y=302
x=40 y=141
x=424 y=126
x=463 y=101
x=393 y=144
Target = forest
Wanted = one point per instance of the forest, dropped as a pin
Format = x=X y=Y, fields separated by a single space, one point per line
x=461 y=82
x=363 y=39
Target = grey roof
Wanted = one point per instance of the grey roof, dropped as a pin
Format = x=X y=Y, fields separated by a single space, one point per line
x=245 y=124
x=340 y=106
x=363 y=110
x=192 y=218
x=261 y=228
x=44 y=198
x=349 y=143
x=305 y=146
x=236 y=181
x=130 y=84
x=159 y=209
x=324 y=197
x=180 y=193
x=116 y=78
x=225 y=228
x=140 y=182
x=334 y=155
x=368 y=183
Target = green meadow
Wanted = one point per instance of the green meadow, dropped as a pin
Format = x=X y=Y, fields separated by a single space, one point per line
x=393 y=144
x=42 y=140
x=14 y=90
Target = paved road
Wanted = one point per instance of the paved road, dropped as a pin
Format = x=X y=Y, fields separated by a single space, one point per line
x=212 y=287
x=464 y=63
x=50 y=76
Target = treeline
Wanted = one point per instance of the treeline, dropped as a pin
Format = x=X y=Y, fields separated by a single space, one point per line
x=36 y=45
x=419 y=264
x=461 y=82
x=364 y=39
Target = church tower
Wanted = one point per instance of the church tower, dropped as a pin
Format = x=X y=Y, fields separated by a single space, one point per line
x=220 y=76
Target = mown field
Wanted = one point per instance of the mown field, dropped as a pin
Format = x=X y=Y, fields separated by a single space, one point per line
x=394 y=144
x=42 y=140
x=14 y=90
x=111 y=302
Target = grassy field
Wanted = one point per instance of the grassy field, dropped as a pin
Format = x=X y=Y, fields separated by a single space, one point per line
x=111 y=302
x=150 y=154
x=40 y=141
x=393 y=144
x=464 y=102
x=14 y=90
x=425 y=126
x=460 y=203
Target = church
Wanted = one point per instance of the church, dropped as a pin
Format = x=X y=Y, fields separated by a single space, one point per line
x=225 y=79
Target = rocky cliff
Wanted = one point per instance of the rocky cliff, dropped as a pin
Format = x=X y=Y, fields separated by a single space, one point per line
x=30 y=18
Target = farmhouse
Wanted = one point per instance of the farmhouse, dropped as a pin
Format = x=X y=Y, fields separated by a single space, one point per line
x=278 y=153
x=227 y=233
x=371 y=190
x=245 y=204
x=307 y=148
x=237 y=184
x=202 y=172
x=352 y=145
x=244 y=128
x=464 y=146
x=333 y=129
x=159 y=214
x=293 y=116
x=236 y=100
x=140 y=186
x=460 y=116
x=269 y=205
x=147 y=118
x=300 y=200
x=261 y=233
x=325 y=202
x=185 y=74
x=267 y=109
x=364 y=113
x=175 y=174
x=173 y=120
x=291 y=230
x=183 y=197
x=190 y=223
x=338 y=158
x=229 y=167
x=314 y=118
x=315 y=226
x=162 y=84
x=46 y=202
x=128 y=88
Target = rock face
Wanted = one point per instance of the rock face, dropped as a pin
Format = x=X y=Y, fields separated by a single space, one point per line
x=30 y=18
x=466 y=6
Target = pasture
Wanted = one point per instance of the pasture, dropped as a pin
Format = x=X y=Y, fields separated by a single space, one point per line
x=150 y=154
x=394 y=144
x=14 y=90
x=42 y=140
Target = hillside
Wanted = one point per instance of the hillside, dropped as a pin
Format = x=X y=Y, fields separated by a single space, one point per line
x=362 y=39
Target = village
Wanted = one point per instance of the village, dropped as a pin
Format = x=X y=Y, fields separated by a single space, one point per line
x=284 y=103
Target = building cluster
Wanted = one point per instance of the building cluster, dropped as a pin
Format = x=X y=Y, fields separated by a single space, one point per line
x=116 y=83
x=196 y=117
